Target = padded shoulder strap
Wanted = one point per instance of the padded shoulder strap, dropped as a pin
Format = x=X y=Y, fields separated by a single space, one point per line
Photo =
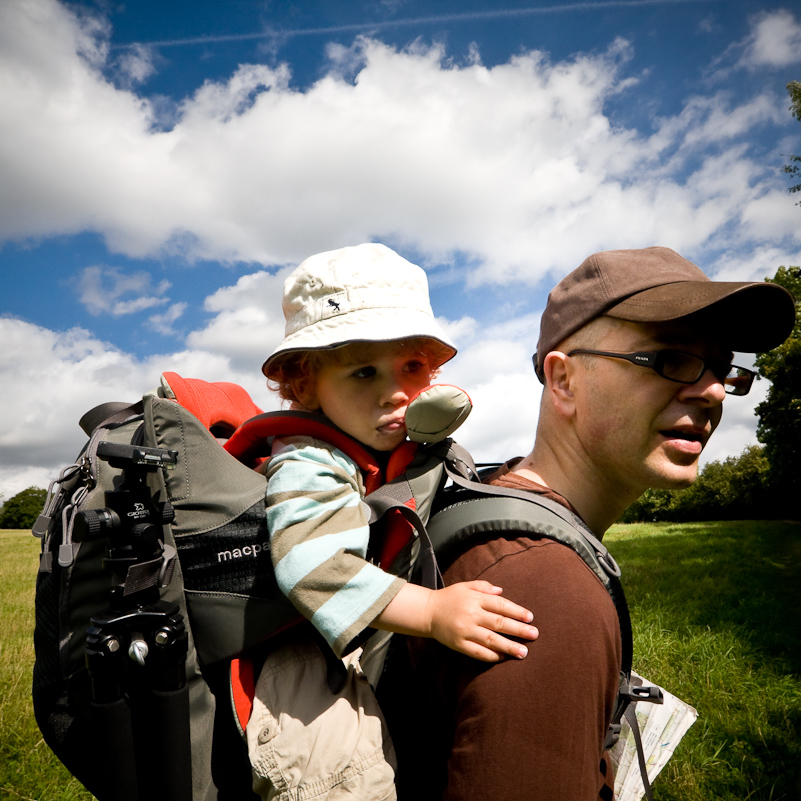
x=253 y=440
x=480 y=509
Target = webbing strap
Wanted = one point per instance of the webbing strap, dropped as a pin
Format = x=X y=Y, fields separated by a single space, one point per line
x=605 y=558
x=395 y=496
x=631 y=716
x=109 y=414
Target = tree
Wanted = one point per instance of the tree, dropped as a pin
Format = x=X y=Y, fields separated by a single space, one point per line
x=793 y=169
x=22 y=510
x=780 y=413
x=734 y=489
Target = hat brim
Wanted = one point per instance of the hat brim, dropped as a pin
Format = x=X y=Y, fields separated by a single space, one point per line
x=750 y=317
x=365 y=325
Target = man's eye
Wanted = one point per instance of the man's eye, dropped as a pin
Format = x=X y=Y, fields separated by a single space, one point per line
x=415 y=366
x=364 y=372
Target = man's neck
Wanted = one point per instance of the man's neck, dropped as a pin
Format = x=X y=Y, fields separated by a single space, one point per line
x=567 y=474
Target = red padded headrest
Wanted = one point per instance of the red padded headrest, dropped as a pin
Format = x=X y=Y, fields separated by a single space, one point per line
x=219 y=405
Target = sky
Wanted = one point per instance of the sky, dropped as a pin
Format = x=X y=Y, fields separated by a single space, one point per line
x=163 y=166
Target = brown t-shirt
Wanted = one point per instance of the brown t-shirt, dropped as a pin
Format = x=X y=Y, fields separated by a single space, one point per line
x=518 y=730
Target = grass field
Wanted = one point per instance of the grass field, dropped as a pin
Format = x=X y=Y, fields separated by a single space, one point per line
x=715 y=609
x=28 y=769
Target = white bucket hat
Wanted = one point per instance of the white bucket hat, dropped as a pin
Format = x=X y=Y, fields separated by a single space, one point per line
x=362 y=293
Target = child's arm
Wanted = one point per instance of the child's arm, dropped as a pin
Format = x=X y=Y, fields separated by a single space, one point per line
x=469 y=617
x=319 y=535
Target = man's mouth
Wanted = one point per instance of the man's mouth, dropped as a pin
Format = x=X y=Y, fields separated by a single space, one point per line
x=690 y=436
x=688 y=442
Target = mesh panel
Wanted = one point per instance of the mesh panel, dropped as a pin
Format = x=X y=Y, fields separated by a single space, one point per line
x=234 y=558
x=46 y=669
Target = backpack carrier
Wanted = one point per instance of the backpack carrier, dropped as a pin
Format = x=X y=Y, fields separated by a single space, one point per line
x=156 y=573
x=155 y=576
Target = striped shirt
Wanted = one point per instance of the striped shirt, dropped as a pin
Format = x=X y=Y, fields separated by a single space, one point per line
x=319 y=535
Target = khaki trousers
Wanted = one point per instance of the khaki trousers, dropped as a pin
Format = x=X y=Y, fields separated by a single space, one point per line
x=306 y=742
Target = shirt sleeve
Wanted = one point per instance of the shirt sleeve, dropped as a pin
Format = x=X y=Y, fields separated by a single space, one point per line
x=319 y=535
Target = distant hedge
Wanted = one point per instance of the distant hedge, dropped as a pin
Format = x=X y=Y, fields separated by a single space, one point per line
x=735 y=489
x=22 y=510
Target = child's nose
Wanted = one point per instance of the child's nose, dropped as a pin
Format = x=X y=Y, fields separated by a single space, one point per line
x=396 y=392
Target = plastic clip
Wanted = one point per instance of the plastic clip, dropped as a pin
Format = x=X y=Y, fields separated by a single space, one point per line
x=643 y=694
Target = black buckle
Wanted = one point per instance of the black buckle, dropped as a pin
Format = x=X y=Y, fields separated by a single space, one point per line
x=612 y=736
x=642 y=694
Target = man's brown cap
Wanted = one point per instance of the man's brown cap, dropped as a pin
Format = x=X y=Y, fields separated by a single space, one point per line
x=656 y=284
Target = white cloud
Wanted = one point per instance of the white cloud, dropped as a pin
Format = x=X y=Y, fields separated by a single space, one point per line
x=515 y=167
x=101 y=291
x=500 y=163
x=494 y=367
x=247 y=324
x=136 y=65
x=775 y=41
x=758 y=264
x=49 y=379
x=164 y=323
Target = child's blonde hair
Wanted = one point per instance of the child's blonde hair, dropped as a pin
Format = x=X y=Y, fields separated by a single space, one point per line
x=294 y=373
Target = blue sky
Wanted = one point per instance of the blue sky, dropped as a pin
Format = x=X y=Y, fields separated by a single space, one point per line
x=163 y=165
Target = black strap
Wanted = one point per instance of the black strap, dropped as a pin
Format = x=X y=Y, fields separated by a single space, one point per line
x=628 y=695
x=394 y=496
x=605 y=559
x=631 y=716
x=109 y=414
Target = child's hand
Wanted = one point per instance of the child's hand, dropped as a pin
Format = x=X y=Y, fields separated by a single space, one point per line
x=471 y=617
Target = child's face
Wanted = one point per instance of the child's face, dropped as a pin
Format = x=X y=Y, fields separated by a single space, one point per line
x=366 y=392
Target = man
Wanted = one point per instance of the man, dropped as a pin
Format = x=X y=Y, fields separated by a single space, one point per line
x=635 y=353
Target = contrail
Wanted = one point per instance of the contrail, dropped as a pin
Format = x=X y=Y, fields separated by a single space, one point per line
x=466 y=16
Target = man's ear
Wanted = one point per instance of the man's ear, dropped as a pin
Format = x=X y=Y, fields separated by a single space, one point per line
x=559 y=372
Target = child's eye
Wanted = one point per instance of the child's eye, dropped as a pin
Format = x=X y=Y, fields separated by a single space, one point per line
x=364 y=372
x=415 y=366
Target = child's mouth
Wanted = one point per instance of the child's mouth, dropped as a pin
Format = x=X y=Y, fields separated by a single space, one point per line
x=392 y=426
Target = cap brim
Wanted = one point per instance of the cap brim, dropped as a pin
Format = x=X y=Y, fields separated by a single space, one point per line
x=751 y=317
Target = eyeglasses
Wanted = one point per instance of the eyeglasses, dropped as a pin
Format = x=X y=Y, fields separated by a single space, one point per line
x=685 y=368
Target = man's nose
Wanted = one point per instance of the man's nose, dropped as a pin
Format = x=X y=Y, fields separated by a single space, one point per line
x=708 y=388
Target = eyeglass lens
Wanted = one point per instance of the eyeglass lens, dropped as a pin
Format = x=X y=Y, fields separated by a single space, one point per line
x=687 y=368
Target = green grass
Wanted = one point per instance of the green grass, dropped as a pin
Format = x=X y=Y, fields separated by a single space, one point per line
x=715 y=609
x=28 y=769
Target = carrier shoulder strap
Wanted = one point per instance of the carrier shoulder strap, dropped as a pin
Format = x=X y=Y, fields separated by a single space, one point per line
x=252 y=441
x=482 y=509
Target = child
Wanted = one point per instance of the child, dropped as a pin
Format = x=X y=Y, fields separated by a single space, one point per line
x=361 y=340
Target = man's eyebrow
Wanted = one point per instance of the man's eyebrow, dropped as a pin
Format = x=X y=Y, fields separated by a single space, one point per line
x=683 y=343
